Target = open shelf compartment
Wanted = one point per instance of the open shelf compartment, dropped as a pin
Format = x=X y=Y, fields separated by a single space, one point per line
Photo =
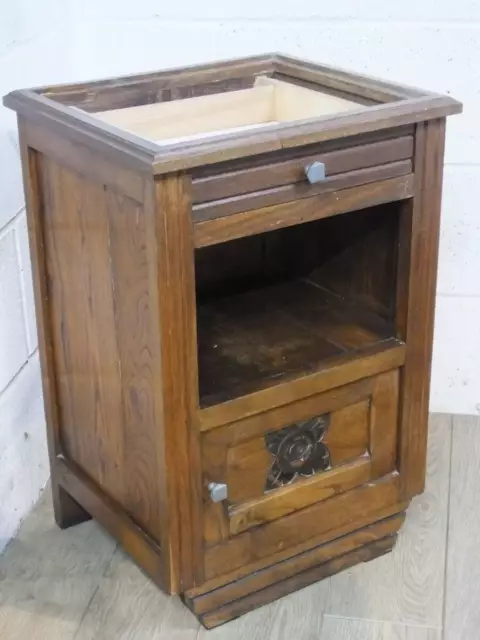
x=285 y=304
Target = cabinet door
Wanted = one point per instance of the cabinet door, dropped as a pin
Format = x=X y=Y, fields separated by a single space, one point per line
x=298 y=471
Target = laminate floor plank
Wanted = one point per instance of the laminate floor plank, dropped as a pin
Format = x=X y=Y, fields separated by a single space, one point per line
x=462 y=602
x=298 y=615
x=350 y=629
x=48 y=576
x=128 y=605
x=407 y=585
x=75 y=585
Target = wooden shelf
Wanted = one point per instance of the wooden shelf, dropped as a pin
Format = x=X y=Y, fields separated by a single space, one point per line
x=257 y=339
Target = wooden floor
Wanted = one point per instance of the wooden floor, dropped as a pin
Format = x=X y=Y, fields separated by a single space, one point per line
x=77 y=585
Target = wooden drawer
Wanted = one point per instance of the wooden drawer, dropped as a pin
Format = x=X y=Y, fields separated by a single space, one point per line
x=292 y=457
x=277 y=178
x=271 y=194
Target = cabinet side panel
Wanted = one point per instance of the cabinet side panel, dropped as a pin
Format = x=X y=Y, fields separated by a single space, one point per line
x=67 y=511
x=417 y=278
x=97 y=288
x=83 y=324
x=134 y=326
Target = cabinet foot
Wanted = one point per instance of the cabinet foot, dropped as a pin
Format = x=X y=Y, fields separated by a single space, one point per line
x=68 y=512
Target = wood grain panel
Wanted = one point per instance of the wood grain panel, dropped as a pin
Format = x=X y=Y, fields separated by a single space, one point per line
x=362 y=85
x=81 y=306
x=293 y=135
x=134 y=329
x=337 y=319
x=298 y=581
x=270 y=621
x=162 y=86
x=241 y=263
x=248 y=463
x=236 y=453
x=417 y=286
x=302 y=494
x=279 y=571
x=172 y=292
x=246 y=470
x=361 y=439
x=239 y=204
x=349 y=368
x=67 y=512
x=348 y=434
x=359 y=257
x=140 y=153
x=261 y=159
x=216 y=526
x=322 y=518
x=102 y=335
x=303 y=210
x=316 y=403
x=274 y=174
x=384 y=423
x=90 y=164
x=266 y=336
x=246 y=569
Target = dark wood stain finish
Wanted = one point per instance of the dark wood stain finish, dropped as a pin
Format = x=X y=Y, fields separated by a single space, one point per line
x=234 y=609
x=298 y=324
x=361 y=438
x=172 y=292
x=400 y=107
x=338 y=184
x=66 y=510
x=275 y=171
x=286 y=214
x=196 y=299
x=387 y=355
x=230 y=600
x=420 y=225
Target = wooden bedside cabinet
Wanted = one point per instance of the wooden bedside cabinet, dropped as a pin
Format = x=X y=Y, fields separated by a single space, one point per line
x=235 y=269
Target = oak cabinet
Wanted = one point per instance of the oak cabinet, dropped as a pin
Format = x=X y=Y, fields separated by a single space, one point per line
x=235 y=270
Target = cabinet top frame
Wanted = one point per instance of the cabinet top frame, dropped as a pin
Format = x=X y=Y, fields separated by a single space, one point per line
x=388 y=105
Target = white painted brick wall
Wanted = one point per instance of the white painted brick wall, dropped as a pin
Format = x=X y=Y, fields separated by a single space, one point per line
x=13 y=348
x=23 y=455
x=433 y=44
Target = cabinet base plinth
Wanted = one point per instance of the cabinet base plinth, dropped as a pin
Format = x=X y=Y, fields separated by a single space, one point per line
x=232 y=600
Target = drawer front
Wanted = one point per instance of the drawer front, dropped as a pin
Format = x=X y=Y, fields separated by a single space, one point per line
x=278 y=178
x=290 y=458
